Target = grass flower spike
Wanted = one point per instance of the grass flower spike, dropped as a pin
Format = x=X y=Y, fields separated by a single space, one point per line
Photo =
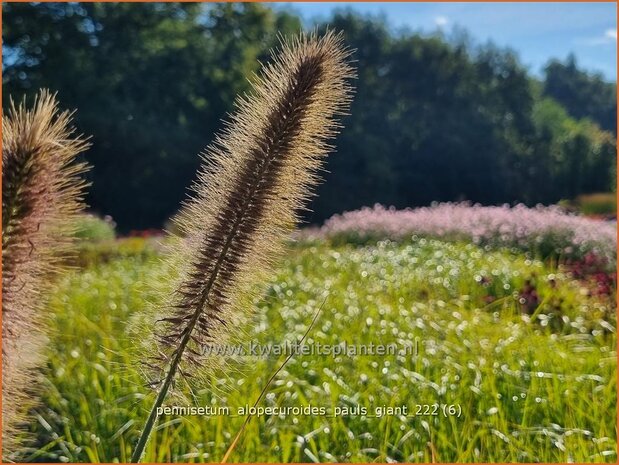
x=41 y=194
x=256 y=176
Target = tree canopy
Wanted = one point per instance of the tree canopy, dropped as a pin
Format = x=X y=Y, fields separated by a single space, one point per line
x=434 y=118
x=583 y=94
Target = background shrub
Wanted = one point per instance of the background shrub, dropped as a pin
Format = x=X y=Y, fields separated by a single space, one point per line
x=598 y=204
x=95 y=229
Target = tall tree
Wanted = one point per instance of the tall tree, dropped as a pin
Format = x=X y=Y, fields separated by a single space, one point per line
x=582 y=94
x=431 y=120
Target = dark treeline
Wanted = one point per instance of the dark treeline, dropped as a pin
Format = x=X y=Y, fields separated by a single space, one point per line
x=434 y=117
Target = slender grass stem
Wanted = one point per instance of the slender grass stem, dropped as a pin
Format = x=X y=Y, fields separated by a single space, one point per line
x=152 y=417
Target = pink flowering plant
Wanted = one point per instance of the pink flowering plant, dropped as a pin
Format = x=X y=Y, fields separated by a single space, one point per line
x=543 y=231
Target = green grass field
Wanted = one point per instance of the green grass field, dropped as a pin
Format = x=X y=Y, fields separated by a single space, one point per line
x=531 y=383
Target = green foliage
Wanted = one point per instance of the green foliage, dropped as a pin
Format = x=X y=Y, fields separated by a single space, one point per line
x=533 y=386
x=91 y=228
x=427 y=122
x=91 y=254
x=573 y=157
x=438 y=119
x=581 y=93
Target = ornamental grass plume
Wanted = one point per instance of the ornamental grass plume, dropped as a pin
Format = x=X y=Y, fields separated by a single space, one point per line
x=255 y=177
x=41 y=195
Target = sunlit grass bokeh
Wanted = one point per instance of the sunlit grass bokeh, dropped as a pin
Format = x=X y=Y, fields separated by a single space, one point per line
x=533 y=384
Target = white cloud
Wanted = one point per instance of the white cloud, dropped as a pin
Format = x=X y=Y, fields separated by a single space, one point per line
x=609 y=37
x=442 y=21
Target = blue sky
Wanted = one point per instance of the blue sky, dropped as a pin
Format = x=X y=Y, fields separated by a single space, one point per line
x=536 y=31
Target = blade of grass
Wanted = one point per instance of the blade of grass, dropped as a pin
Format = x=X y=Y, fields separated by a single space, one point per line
x=266 y=386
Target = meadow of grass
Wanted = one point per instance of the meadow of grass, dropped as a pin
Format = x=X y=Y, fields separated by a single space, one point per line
x=532 y=382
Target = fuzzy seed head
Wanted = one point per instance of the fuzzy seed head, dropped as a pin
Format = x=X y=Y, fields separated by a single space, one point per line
x=41 y=194
x=255 y=179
